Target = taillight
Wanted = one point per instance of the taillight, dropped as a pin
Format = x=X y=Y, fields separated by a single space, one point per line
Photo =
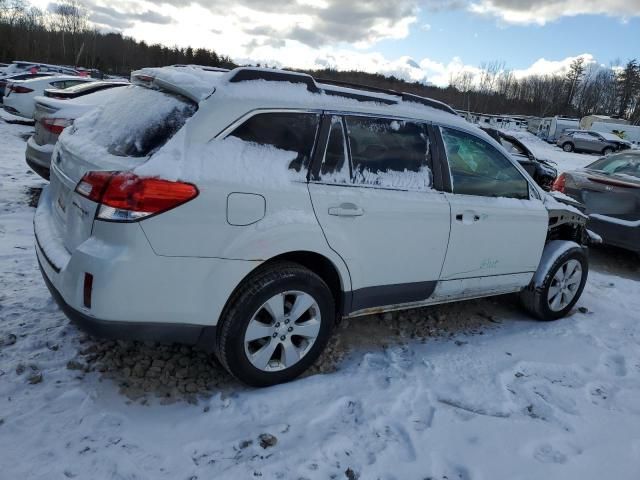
x=55 y=125
x=93 y=184
x=560 y=183
x=125 y=197
x=20 y=89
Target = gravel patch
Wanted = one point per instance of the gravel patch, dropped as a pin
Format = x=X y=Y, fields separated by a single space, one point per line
x=182 y=373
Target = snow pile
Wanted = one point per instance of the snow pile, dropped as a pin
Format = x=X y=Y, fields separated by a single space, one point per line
x=229 y=160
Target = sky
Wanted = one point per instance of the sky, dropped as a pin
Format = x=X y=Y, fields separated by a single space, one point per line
x=422 y=40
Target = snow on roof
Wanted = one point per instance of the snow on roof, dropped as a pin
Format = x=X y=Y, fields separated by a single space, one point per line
x=198 y=83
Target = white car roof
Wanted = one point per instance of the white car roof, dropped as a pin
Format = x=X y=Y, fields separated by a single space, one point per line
x=198 y=84
x=54 y=78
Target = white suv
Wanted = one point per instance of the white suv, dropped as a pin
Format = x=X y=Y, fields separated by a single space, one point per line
x=248 y=211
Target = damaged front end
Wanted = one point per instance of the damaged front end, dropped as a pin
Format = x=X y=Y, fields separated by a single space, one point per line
x=567 y=222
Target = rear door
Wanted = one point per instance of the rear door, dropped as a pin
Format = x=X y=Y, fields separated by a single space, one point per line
x=371 y=192
x=498 y=228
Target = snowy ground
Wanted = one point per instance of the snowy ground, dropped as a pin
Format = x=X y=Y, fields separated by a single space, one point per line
x=468 y=391
x=549 y=151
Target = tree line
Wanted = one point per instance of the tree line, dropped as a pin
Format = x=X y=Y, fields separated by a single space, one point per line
x=63 y=35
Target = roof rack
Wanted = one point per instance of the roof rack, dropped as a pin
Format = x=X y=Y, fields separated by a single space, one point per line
x=244 y=74
x=407 y=97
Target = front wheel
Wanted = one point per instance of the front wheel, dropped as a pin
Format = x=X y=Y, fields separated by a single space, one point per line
x=561 y=286
x=276 y=325
x=567 y=147
x=607 y=151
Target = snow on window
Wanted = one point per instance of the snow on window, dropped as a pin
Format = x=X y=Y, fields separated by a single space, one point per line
x=229 y=160
x=135 y=123
x=389 y=153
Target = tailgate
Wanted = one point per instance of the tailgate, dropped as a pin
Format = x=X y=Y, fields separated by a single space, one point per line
x=73 y=214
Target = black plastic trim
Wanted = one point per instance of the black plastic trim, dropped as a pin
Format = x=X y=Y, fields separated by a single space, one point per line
x=248 y=74
x=199 y=335
x=386 y=295
x=44 y=172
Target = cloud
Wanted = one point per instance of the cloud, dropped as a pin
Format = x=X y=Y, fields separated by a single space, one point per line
x=312 y=22
x=543 y=11
x=554 y=67
x=120 y=20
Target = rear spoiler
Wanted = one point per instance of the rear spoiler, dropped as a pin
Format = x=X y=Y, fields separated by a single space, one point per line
x=148 y=80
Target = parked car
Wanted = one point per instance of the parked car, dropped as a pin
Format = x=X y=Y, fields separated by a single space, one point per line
x=20 y=94
x=609 y=188
x=544 y=172
x=20 y=66
x=53 y=115
x=248 y=211
x=591 y=142
x=20 y=76
x=82 y=89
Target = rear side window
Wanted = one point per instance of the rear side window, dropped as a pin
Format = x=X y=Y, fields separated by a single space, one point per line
x=477 y=168
x=289 y=131
x=136 y=122
x=389 y=153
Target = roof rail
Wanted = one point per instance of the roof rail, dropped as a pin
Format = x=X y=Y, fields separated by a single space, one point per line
x=407 y=97
x=243 y=74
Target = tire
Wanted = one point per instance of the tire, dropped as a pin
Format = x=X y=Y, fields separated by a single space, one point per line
x=254 y=309
x=607 y=151
x=567 y=147
x=539 y=301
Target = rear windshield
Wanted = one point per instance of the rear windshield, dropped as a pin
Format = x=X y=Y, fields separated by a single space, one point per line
x=136 y=122
x=624 y=164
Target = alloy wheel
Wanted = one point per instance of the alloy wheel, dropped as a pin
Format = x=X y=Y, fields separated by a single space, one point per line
x=282 y=331
x=564 y=285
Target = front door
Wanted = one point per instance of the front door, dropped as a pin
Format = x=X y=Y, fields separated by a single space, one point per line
x=371 y=192
x=498 y=230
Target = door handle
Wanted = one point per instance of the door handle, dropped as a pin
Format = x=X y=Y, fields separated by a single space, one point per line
x=469 y=217
x=346 y=210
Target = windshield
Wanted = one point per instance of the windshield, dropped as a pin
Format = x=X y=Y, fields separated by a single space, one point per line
x=628 y=164
x=136 y=122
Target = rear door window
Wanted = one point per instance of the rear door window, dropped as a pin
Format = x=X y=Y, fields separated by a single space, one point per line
x=478 y=168
x=389 y=153
x=288 y=131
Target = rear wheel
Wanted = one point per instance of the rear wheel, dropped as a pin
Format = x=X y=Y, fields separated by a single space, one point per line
x=607 y=151
x=567 y=147
x=276 y=325
x=561 y=287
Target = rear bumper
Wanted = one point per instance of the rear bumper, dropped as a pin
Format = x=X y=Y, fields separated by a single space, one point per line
x=620 y=234
x=11 y=110
x=202 y=336
x=135 y=294
x=38 y=157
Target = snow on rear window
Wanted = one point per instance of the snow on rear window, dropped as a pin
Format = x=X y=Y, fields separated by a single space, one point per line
x=135 y=123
